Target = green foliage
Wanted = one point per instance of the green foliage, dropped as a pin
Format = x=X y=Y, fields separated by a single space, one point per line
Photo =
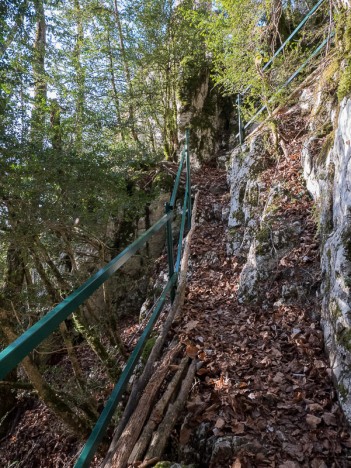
x=241 y=37
x=344 y=36
x=147 y=349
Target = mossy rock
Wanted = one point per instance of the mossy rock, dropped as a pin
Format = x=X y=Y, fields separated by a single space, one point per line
x=344 y=30
x=239 y=216
x=147 y=349
x=326 y=147
x=344 y=339
x=263 y=238
x=344 y=88
x=335 y=310
x=330 y=72
x=343 y=392
x=346 y=240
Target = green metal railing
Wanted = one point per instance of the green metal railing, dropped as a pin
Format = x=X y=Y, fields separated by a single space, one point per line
x=241 y=133
x=11 y=356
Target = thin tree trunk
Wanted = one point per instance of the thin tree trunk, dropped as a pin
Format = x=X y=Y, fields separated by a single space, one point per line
x=78 y=424
x=80 y=325
x=80 y=78
x=95 y=344
x=55 y=121
x=8 y=301
x=114 y=89
x=126 y=73
x=18 y=20
x=53 y=293
x=40 y=87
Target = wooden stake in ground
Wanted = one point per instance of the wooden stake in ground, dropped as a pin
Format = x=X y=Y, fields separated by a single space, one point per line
x=156 y=415
x=160 y=437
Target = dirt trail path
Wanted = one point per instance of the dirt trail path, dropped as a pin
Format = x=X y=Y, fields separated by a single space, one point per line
x=263 y=396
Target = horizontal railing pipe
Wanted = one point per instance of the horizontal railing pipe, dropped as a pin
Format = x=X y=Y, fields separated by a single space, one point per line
x=24 y=344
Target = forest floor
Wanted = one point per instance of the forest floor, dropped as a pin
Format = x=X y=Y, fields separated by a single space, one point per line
x=263 y=394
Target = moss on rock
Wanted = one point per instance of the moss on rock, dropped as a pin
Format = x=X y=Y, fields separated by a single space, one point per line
x=344 y=339
x=147 y=349
x=344 y=33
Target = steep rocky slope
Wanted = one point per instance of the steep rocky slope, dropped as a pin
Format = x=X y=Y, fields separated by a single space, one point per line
x=328 y=176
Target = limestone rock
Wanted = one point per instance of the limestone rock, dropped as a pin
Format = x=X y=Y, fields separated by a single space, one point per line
x=329 y=181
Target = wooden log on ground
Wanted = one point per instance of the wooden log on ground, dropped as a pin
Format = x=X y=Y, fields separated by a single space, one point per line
x=149 y=462
x=156 y=415
x=131 y=433
x=149 y=367
x=160 y=437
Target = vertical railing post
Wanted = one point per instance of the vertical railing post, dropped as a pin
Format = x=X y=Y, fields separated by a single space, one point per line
x=240 y=121
x=170 y=256
x=188 y=178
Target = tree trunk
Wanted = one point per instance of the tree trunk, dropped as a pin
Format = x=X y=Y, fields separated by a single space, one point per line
x=55 y=121
x=126 y=73
x=18 y=20
x=114 y=90
x=8 y=301
x=78 y=424
x=53 y=293
x=40 y=88
x=80 y=78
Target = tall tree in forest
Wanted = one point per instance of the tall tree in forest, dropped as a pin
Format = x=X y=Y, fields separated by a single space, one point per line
x=40 y=87
x=80 y=76
x=128 y=78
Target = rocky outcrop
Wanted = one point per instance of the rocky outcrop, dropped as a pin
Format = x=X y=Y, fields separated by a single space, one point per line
x=257 y=233
x=209 y=115
x=263 y=238
x=130 y=285
x=328 y=177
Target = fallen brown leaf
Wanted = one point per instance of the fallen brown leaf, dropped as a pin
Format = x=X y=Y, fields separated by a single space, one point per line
x=191 y=351
x=329 y=419
x=237 y=464
x=313 y=421
x=220 y=423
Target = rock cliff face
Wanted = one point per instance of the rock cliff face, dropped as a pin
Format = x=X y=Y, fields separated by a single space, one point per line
x=209 y=116
x=277 y=245
x=329 y=180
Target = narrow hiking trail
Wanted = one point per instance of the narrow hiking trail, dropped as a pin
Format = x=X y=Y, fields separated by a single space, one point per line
x=263 y=394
